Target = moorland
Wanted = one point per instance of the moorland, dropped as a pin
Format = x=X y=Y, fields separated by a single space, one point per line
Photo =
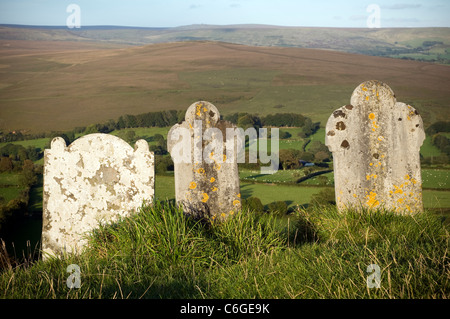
x=55 y=82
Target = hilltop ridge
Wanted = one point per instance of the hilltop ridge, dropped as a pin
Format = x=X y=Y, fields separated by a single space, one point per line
x=428 y=44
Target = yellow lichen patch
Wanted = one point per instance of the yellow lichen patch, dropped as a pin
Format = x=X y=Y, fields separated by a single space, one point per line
x=367 y=98
x=231 y=212
x=398 y=190
x=205 y=197
x=223 y=215
x=372 y=201
x=224 y=157
x=380 y=138
x=201 y=171
x=238 y=195
x=354 y=195
x=214 y=189
x=368 y=177
x=372 y=116
x=217 y=166
x=413 y=180
x=363 y=88
x=236 y=202
x=407 y=176
x=193 y=185
x=400 y=200
x=212 y=179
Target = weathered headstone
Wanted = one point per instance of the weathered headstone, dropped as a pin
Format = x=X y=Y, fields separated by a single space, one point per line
x=375 y=142
x=206 y=181
x=96 y=179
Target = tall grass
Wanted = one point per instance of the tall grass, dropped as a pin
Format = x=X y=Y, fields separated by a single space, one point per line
x=320 y=253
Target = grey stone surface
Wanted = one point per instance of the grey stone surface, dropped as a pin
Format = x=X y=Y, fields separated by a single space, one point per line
x=206 y=181
x=375 y=142
x=96 y=179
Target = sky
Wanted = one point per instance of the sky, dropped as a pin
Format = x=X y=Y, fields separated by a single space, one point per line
x=172 y=13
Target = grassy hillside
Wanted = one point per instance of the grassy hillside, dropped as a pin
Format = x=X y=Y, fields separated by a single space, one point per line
x=414 y=43
x=56 y=86
x=158 y=253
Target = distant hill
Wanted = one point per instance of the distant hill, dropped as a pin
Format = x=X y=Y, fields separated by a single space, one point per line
x=424 y=44
x=59 y=85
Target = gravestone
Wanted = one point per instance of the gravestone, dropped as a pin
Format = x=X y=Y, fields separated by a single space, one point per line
x=96 y=179
x=206 y=181
x=375 y=142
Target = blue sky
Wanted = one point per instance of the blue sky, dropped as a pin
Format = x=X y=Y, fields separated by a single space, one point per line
x=171 y=13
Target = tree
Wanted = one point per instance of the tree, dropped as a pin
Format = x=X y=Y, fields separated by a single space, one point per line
x=441 y=142
x=29 y=176
x=289 y=158
x=6 y=165
x=247 y=120
x=163 y=164
x=130 y=121
x=233 y=118
x=322 y=156
x=309 y=127
x=120 y=123
x=285 y=135
x=91 y=129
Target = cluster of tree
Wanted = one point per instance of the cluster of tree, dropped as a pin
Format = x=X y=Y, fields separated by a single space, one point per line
x=442 y=143
x=438 y=127
x=18 y=207
x=13 y=156
x=431 y=43
x=246 y=120
x=294 y=158
x=439 y=138
x=150 y=119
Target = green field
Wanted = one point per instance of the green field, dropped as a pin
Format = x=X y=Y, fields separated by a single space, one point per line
x=269 y=188
x=9 y=186
x=292 y=195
